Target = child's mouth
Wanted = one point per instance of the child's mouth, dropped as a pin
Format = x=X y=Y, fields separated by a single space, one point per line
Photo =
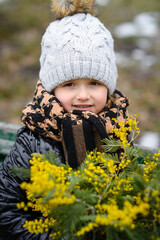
x=82 y=107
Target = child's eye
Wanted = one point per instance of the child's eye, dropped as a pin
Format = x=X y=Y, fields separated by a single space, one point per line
x=68 y=85
x=94 y=83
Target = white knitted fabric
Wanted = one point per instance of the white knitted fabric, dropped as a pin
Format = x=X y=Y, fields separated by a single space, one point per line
x=77 y=46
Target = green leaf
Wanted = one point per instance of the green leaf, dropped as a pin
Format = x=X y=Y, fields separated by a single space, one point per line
x=51 y=157
x=73 y=179
x=49 y=196
x=20 y=172
x=38 y=155
x=109 y=156
x=132 y=153
x=112 y=233
x=71 y=216
x=134 y=235
x=139 y=183
x=111 y=145
x=86 y=195
x=88 y=218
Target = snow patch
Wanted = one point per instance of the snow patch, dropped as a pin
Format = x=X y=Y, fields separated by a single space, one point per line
x=143 y=25
x=150 y=140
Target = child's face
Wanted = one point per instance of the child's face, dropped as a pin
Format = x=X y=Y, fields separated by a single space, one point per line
x=82 y=94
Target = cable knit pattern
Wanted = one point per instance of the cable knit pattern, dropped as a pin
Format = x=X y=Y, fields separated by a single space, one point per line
x=77 y=46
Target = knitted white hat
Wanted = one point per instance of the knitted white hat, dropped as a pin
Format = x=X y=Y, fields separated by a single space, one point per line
x=77 y=46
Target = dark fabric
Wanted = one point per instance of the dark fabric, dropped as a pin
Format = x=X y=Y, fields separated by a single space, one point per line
x=11 y=218
x=68 y=143
x=46 y=116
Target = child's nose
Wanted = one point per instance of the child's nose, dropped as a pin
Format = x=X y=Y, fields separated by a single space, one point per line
x=83 y=94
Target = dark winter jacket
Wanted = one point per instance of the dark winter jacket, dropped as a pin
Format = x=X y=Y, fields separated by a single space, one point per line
x=11 y=218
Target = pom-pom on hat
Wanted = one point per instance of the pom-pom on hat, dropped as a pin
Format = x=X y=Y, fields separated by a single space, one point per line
x=76 y=45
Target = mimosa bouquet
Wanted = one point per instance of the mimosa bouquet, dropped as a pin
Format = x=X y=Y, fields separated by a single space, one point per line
x=112 y=195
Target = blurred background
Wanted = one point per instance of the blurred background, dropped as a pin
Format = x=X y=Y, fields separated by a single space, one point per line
x=135 y=26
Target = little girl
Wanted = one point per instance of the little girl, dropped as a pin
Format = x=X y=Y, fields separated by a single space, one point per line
x=72 y=109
